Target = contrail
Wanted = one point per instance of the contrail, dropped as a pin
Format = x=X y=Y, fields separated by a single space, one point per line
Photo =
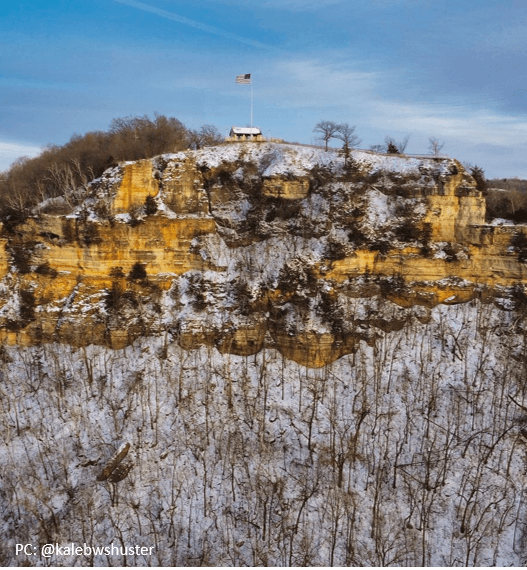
x=194 y=24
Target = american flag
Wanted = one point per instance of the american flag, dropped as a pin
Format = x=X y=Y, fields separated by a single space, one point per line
x=244 y=79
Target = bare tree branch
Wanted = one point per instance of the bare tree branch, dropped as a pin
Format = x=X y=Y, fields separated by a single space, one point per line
x=396 y=147
x=346 y=134
x=435 y=146
x=327 y=130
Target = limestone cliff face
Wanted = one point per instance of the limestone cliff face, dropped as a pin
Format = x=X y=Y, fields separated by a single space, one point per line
x=287 y=189
x=138 y=182
x=245 y=246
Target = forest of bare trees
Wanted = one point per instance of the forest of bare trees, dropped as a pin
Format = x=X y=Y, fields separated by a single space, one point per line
x=66 y=170
x=507 y=198
x=409 y=452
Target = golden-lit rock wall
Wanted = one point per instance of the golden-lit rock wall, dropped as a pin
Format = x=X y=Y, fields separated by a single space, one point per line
x=451 y=216
x=454 y=207
x=286 y=189
x=88 y=249
x=138 y=182
x=183 y=189
x=4 y=255
x=86 y=255
x=484 y=264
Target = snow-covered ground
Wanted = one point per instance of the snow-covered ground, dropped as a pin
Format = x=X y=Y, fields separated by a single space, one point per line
x=408 y=452
x=298 y=160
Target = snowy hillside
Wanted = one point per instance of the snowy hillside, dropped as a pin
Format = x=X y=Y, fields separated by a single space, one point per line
x=266 y=355
x=409 y=452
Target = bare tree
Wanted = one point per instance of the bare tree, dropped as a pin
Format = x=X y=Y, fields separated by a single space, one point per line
x=327 y=130
x=346 y=134
x=71 y=178
x=207 y=135
x=435 y=146
x=133 y=138
x=403 y=143
x=396 y=147
x=514 y=183
x=504 y=203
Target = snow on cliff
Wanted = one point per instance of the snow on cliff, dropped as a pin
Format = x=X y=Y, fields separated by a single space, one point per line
x=298 y=160
x=409 y=452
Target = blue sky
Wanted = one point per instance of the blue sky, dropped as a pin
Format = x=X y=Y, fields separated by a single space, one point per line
x=453 y=69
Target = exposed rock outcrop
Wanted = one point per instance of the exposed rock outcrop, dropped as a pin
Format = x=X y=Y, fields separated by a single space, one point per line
x=249 y=246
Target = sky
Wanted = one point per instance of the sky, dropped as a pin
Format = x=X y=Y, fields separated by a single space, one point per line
x=450 y=69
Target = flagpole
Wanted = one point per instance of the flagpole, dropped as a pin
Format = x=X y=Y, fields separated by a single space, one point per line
x=246 y=79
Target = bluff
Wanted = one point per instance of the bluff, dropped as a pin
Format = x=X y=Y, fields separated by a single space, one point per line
x=247 y=245
x=265 y=355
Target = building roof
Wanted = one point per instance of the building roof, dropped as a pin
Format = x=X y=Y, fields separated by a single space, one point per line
x=245 y=131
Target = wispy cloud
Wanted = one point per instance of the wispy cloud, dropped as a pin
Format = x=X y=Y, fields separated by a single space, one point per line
x=194 y=24
x=462 y=122
x=293 y=5
x=299 y=5
x=315 y=83
x=10 y=151
x=317 y=5
x=340 y=88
